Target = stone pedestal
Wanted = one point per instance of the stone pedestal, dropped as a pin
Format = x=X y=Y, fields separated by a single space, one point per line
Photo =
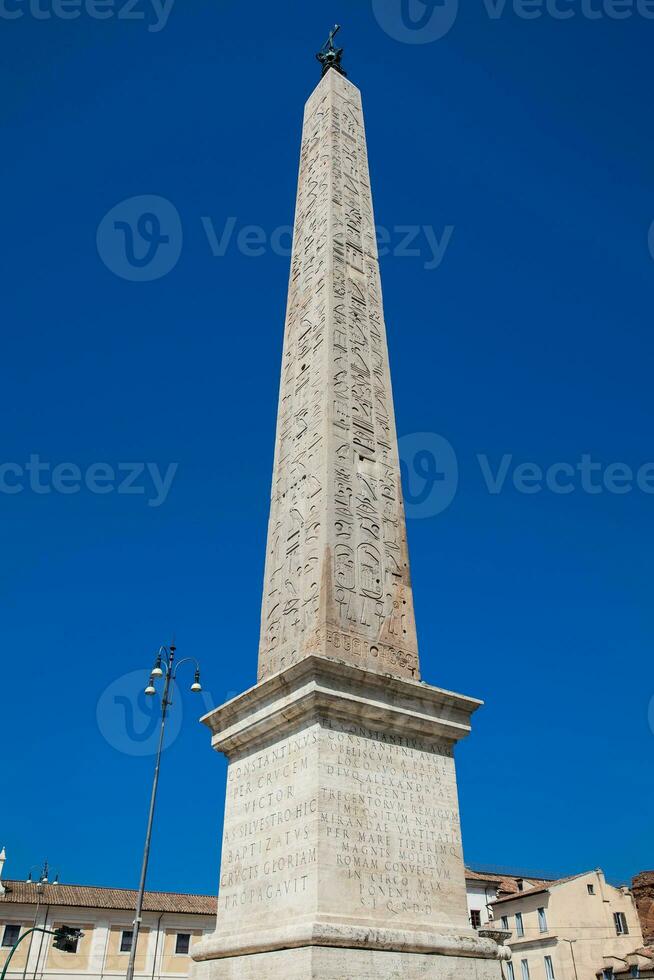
x=342 y=847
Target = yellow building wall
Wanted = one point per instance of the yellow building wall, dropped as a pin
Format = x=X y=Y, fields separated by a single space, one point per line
x=170 y=963
x=572 y=914
x=19 y=959
x=79 y=961
x=115 y=961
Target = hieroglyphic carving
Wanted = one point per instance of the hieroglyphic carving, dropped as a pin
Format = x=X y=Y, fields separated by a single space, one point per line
x=337 y=559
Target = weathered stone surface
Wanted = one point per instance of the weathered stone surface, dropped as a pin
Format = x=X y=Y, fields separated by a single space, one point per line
x=643 y=890
x=341 y=819
x=325 y=963
x=337 y=577
x=342 y=844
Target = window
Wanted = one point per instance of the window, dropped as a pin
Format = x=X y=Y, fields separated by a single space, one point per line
x=591 y=889
x=621 y=927
x=505 y=923
x=126 y=941
x=182 y=943
x=475 y=918
x=635 y=972
x=510 y=972
x=519 y=927
x=524 y=967
x=11 y=935
x=542 y=920
x=549 y=968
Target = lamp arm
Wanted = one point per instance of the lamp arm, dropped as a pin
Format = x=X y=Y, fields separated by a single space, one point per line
x=48 y=932
x=179 y=664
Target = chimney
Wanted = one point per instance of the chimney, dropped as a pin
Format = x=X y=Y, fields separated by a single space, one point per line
x=3 y=858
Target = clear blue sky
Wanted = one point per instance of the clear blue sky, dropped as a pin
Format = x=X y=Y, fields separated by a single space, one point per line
x=532 y=337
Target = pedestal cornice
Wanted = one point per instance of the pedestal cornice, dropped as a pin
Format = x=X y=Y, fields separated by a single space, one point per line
x=316 y=687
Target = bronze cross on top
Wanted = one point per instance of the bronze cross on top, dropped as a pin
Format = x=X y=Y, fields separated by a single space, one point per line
x=330 y=56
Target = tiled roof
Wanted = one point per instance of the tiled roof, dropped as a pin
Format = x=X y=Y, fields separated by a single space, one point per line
x=484 y=875
x=505 y=881
x=91 y=896
x=544 y=887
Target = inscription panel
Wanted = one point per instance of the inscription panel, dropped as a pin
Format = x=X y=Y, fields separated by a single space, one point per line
x=389 y=826
x=269 y=856
x=375 y=812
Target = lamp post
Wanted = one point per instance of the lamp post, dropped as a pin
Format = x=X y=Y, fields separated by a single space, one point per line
x=44 y=877
x=164 y=666
x=43 y=880
x=572 y=953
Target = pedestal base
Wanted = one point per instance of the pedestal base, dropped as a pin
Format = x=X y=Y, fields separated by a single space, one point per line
x=341 y=849
x=330 y=963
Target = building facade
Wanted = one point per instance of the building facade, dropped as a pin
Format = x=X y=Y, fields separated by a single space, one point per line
x=485 y=887
x=171 y=923
x=577 y=928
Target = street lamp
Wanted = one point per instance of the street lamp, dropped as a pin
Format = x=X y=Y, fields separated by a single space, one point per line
x=43 y=880
x=572 y=953
x=44 y=877
x=164 y=666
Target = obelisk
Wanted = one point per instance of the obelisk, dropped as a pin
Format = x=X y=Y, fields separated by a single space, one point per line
x=341 y=849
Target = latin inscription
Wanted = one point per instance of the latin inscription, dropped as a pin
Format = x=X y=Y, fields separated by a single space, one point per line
x=379 y=808
x=388 y=805
x=269 y=847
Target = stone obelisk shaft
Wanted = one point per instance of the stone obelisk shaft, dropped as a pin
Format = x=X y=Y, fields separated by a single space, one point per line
x=337 y=580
